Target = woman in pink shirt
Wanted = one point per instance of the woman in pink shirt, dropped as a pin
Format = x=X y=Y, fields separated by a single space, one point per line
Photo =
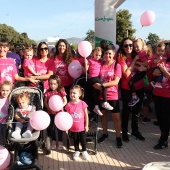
x=44 y=66
x=110 y=74
x=128 y=65
x=63 y=57
x=162 y=103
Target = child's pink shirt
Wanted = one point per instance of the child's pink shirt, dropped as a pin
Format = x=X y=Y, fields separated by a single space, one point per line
x=26 y=64
x=107 y=74
x=77 y=111
x=4 y=103
x=50 y=93
x=125 y=80
x=94 y=67
x=8 y=70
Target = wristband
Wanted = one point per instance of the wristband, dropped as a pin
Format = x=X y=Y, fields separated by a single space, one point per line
x=102 y=86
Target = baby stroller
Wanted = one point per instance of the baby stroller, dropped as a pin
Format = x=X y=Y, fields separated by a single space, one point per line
x=24 y=145
x=91 y=135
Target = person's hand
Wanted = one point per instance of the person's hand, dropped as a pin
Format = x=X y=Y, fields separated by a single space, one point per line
x=141 y=68
x=136 y=57
x=97 y=86
x=162 y=67
x=22 y=121
x=156 y=72
x=86 y=128
x=32 y=80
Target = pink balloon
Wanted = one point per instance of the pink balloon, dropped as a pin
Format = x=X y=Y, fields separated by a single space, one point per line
x=147 y=18
x=40 y=120
x=84 y=48
x=56 y=103
x=4 y=158
x=75 y=69
x=63 y=121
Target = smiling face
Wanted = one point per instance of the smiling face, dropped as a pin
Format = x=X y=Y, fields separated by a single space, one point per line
x=44 y=50
x=5 y=90
x=61 y=48
x=109 y=55
x=3 y=51
x=128 y=46
x=75 y=94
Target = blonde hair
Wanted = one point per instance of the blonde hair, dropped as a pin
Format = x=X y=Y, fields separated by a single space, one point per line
x=140 y=40
x=23 y=96
x=6 y=83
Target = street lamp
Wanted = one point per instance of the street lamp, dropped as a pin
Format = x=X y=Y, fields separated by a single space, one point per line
x=8 y=19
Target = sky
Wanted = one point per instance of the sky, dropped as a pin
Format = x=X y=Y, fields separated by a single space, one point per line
x=73 y=18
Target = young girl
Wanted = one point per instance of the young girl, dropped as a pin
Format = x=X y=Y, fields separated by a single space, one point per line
x=158 y=58
x=22 y=115
x=78 y=110
x=141 y=59
x=93 y=66
x=56 y=88
x=5 y=90
x=28 y=65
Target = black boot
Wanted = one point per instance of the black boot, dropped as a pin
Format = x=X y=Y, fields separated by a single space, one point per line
x=138 y=135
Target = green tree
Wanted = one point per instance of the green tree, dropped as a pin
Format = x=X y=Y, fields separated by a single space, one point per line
x=153 y=40
x=123 y=25
x=90 y=36
x=8 y=32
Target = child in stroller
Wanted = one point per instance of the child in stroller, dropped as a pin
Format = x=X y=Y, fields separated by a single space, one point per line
x=22 y=115
x=26 y=147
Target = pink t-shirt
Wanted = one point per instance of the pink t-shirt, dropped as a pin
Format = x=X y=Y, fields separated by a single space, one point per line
x=143 y=56
x=4 y=103
x=124 y=81
x=107 y=74
x=43 y=68
x=62 y=71
x=8 y=70
x=49 y=93
x=94 y=67
x=165 y=90
x=81 y=60
x=78 y=114
x=26 y=64
x=155 y=56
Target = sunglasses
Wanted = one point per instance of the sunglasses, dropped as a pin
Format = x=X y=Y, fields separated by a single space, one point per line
x=127 y=45
x=45 y=48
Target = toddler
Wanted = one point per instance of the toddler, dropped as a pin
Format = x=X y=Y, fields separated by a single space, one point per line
x=78 y=110
x=141 y=59
x=93 y=66
x=22 y=115
x=158 y=58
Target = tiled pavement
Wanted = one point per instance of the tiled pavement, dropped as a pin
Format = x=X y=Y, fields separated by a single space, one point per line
x=134 y=154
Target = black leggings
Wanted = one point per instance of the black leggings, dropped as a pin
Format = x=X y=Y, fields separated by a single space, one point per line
x=138 y=76
x=162 y=110
x=126 y=97
x=79 y=137
x=94 y=80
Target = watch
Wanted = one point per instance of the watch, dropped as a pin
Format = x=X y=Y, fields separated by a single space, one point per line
x=102 y=86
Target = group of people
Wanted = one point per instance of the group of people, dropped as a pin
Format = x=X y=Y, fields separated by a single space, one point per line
x=109 y=71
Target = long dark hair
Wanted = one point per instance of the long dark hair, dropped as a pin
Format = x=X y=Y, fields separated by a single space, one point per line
x=67 y=56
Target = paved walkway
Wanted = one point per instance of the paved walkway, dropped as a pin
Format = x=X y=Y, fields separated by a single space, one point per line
x=134 y=154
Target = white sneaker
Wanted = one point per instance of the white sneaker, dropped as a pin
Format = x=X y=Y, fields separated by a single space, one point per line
x=27 y=134
x=98 y=112
x=53 y=144
x=76 y=155
x=60 y=146
x=107 y=106
x=16 y=134
x=85 y=155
